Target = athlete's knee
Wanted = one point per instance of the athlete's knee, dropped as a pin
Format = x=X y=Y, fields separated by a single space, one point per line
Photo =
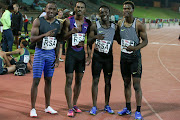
x=127 y=84
x=137 y=87
x=95 y=81
x=35 y=82
x=107 y=81
x=47 y=82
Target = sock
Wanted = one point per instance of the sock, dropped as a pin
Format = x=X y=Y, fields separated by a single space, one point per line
x=138 y=108
x=128 y=105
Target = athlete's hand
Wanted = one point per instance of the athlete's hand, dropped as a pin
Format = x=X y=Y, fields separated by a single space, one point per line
x=99 y=36
x=131 y=48
x=88 y=60
x=55 y=63
x=50 y=33
x=75 y=30
x=81 y=44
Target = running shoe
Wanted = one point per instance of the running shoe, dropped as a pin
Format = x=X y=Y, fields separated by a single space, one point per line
x=125 y=111
x=138 y=116
x=76 y=109
x=50 y=110
x=70 y=113
x=93 y=110
x=33 y=113
x=108 y=109
x=61 y=60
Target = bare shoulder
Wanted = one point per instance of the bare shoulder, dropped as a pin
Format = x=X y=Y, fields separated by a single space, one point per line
x=120 y=22
x=36 y=22
x=66 y=22
x=140 y=25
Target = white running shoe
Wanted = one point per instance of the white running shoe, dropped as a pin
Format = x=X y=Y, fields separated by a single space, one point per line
x=50 y=110
x=33 y=113
x=61 y=60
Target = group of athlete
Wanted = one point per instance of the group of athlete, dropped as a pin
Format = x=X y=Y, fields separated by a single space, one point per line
x=48 y=32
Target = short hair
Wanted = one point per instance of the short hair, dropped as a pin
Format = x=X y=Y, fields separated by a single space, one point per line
x=25 y=43
x=16 y=5
x=51 y=2
x=104 y=6
x=10 y=7
x=129 y=2
x=81 y=2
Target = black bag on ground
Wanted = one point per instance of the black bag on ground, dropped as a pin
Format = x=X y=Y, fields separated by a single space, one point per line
x=21 y=69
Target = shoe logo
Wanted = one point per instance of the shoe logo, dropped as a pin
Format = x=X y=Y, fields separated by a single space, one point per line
x=134 y=73
x=122 y=30
x=100 y=31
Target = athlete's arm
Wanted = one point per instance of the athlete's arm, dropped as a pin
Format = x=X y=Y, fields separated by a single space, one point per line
x=18 y=51
x=35 y=37
x=66 y=31
x=117 y=32
x=93 y=35
x=142 y=34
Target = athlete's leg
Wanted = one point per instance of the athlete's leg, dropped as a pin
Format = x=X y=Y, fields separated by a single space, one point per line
x=47 y=90
x=77 y=86
x=138 y=91
x=96 y=71
x=11 y=68
x=127 y=89
x=108 y=70
x=94 y=90
x=68 y=89
x=34 y=90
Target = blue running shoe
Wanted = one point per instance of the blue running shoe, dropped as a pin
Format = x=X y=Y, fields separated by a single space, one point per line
x=125 y=111
x=93 y=110
x=108 y=109
x=138 y=116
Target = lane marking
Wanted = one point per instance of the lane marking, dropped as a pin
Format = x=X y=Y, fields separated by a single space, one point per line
x=157 y=115
x=163 y=64
x=157 y=43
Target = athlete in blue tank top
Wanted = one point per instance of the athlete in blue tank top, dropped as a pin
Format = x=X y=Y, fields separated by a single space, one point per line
x=132 y=34
x=102 y=33
x=75 y=29
x=24 y=55
x=45 y=32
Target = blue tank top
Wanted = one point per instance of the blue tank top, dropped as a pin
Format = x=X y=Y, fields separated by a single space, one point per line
x=46 y=26
x=84 y=30
x=23 y=56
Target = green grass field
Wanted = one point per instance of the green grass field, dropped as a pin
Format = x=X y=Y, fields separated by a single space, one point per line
x=150 y=12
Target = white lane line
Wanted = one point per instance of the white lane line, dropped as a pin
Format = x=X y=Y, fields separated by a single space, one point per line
x=163 y=64
x=157 y=43
x=157 y=115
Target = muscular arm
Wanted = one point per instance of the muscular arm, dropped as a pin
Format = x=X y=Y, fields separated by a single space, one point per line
x=35 y=37
x=117 y=32
x=91 y=36
x=142 y=34
x=65 y=29
x=59 y=38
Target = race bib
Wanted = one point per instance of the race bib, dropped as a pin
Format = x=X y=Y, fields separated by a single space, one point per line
x=26 y=58
x=49 y=43
x=102 y=45
x=77 y=37
x=124 y=44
